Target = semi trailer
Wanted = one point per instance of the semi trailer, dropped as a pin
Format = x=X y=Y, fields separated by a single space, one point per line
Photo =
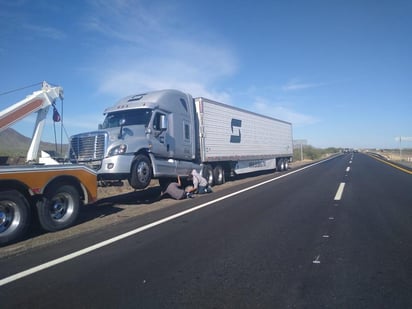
x=162 y=134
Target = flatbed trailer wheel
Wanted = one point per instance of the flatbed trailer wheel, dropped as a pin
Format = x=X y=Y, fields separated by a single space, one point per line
x=14 y=216
x=59 y=208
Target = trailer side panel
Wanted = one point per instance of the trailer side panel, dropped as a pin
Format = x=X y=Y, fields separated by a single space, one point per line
x=232 y=134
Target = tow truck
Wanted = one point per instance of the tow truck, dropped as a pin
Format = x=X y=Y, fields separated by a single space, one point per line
x=55 y=192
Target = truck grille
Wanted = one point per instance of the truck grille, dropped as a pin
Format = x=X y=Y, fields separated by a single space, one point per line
x=89 y=147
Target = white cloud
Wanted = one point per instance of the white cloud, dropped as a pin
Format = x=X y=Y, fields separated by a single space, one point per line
x=136 y=22
x=147 y=53
x=262 y=106
x=47 y=32
x=194 y=73
x=297 y=85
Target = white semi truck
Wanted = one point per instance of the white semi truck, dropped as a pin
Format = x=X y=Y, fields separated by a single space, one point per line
x=166 y=133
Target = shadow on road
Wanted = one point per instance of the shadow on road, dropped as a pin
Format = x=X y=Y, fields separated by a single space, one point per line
x=107 y=206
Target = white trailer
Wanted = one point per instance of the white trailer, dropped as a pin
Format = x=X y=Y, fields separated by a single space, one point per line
x=240 y=141
x=166 y=133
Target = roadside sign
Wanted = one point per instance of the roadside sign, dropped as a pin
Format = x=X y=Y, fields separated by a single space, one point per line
x=300 y=142
x=403 y=139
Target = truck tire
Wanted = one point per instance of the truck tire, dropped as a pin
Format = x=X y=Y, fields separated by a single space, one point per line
x=280 y=165
x=141 y=174
x=14 y=216
x=286 y=164
x=219 y=175
x=207 y=173
x=59 y=208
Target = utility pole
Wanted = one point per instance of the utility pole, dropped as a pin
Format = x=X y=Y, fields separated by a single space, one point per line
x=300 y=143
x=400 y=139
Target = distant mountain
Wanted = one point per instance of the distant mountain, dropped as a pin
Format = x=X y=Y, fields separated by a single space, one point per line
x=12 y=143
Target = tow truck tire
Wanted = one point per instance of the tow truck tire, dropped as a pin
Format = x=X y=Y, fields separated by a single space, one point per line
x=59 y=208
x=141 y=174
x=14 y=216
x=219 y=175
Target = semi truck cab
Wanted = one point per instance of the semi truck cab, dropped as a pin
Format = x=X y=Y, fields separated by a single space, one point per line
x=143 y=136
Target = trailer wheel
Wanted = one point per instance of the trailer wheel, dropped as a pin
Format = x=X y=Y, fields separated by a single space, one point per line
x=59 y=208
x=207 y=173
x=286 y=164
x=281 y=165
x=141 y=172
x=14 y=216
x=219 y=175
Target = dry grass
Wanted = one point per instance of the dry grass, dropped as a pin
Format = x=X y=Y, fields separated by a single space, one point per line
x=395 y=155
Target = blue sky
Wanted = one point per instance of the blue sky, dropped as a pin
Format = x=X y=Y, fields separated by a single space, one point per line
x=340 y=71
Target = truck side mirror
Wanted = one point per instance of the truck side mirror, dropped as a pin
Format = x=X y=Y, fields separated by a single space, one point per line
x=122 y=122
x=163 y=122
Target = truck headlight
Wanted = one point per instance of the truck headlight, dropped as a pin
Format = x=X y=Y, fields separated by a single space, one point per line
x=118 y=150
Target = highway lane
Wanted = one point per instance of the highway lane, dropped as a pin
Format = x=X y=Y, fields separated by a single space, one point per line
x=292 y=242
x=370 y=251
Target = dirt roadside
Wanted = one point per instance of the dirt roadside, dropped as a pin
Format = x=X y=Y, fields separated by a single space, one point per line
x=114 y=205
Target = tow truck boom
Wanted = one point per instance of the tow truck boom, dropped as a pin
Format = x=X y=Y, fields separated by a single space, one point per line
x=40 y=102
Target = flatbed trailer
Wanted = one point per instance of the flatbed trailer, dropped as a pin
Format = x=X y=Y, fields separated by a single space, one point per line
x=54 y=192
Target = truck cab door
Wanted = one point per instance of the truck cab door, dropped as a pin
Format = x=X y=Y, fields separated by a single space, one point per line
x=161 y=143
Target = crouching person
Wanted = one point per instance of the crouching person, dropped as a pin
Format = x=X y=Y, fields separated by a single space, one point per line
x=200 y=184
x=175 y=191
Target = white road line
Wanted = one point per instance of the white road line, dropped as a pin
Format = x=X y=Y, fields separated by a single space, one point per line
x=316 y=261
x=107 y=242
x=339 y=193
x=348 y=169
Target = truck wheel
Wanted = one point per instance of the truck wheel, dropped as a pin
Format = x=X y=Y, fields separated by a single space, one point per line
x=281 y=165
x=207 y=173
x=219 y=175
x=286 y=164
x=141 y=172
x=14 y=216
x=59 y=209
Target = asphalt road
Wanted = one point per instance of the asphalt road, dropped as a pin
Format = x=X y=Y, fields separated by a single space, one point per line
x=334 y=235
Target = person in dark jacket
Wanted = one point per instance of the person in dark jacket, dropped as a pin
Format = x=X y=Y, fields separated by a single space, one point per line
x=175 y=191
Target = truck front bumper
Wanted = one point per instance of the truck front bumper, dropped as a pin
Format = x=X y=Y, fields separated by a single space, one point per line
x=116 y=167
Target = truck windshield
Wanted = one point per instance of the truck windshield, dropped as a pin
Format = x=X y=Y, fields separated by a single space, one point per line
x=139 y=116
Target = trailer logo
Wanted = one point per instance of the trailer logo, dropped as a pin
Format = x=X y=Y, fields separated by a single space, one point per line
x=236 y=124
